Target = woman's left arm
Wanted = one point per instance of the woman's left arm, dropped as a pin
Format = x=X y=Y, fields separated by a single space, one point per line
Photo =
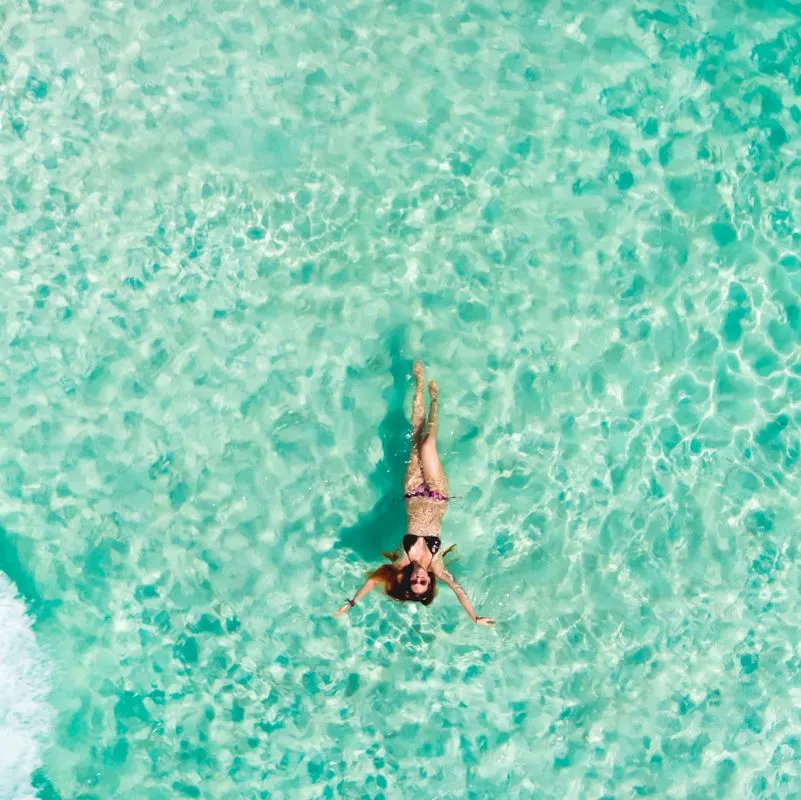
x=463 y=598
x=367 y=587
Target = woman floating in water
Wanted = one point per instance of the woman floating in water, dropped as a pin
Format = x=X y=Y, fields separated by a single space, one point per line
x=414 y=575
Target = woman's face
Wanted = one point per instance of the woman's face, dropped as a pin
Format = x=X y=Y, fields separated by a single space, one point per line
x=419 y=580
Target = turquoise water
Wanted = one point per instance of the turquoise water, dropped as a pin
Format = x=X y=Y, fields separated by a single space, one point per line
x=228 y=229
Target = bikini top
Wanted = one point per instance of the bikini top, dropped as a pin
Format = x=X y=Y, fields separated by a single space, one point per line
x=432 y=542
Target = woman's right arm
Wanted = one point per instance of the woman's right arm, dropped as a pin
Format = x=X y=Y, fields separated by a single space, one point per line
x=463 y=598
x=368 y=587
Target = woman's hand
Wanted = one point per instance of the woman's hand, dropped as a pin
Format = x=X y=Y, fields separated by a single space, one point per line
x=342 y=610
x=485 y=621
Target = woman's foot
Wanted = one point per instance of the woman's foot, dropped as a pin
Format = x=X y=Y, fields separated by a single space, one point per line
x=433 y=391
x=419 y=371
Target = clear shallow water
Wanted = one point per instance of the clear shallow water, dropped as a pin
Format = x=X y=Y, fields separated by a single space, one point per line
x=228 y=230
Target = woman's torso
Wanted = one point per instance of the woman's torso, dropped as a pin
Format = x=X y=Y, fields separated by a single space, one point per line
x=421 y=549
x=424 y=515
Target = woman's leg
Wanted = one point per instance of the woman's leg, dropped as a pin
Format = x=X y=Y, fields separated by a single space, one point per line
x=434 y=474
x=414 y=472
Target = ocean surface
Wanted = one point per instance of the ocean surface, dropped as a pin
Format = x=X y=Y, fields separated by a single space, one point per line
x=227 y=229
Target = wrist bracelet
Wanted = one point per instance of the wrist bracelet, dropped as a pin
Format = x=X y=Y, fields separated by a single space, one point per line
x=351 y=603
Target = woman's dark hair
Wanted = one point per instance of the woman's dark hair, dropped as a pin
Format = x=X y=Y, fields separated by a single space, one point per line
x=397 y=581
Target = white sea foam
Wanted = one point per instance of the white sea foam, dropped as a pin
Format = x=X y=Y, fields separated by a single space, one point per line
x=25 y=715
